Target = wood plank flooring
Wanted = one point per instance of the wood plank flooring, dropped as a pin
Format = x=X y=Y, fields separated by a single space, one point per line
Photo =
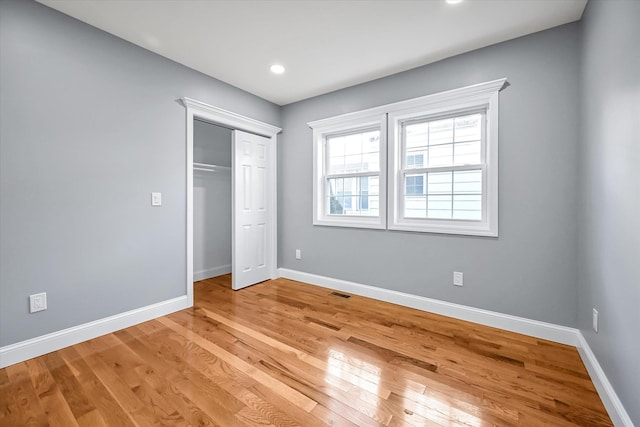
x=284 y=353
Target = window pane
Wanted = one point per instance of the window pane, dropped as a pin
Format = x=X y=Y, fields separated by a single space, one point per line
x=467 y=153
x=468 y=139
x=359 y=152
x=335 y=185
x=353 y=163
x=372 y=160
x=414 y=185
x=439 y=182
x=416 y=145
x=415 y=206
x=417 y=135
x=364 y=193
x=467 y=182
x=353 y=196
x=374 y=206
x=346 y=199
x=468 y=128
x=467 y=207
x=439 y=206
x=441 y=132
x=441 y=155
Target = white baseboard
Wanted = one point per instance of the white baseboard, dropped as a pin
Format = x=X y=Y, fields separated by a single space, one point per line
x=38 y=346
x=34 y=347
x=534 y=328
x=521 y=325
x=211 y=272
x=610 y=399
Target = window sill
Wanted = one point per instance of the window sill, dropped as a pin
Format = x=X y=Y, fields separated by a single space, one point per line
x=474 y=229
x=351 y=222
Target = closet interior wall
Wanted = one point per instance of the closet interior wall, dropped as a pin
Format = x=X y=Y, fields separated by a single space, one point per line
x=211 y=200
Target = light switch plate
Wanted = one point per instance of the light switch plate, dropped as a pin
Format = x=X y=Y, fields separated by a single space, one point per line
x=156 y=199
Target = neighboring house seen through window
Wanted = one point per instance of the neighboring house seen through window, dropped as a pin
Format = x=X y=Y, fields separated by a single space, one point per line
x=452 y=148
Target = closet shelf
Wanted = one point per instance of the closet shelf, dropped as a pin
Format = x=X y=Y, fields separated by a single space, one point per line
x=210 y=168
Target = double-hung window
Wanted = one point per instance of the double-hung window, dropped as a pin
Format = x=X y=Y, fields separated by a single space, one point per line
x=349 y=171
x=437 y=156
x=443 y=162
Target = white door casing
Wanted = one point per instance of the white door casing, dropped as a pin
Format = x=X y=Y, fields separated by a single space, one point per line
x=201 y=110
x=251 y=237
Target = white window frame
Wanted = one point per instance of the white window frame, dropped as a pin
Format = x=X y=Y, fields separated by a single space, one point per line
x=480 y=97
x=323 y=129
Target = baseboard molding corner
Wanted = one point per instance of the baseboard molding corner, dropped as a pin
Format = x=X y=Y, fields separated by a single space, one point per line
x=34 y=347
x=535 y=328
x=211 y=272
x=610 y=399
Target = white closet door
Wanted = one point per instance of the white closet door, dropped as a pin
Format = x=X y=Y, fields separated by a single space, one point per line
x=251 y=231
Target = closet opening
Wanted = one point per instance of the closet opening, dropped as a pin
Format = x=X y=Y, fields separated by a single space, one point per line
x=231 y=197
x=212 y=209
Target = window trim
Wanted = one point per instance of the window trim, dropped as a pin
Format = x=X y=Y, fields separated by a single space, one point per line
x=455 y=102
x=348 y=123
x=479 y=96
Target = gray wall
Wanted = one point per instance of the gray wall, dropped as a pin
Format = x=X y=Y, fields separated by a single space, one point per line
x=609 y=231
x=90 y=126
x=211 y=201
x=531 y=269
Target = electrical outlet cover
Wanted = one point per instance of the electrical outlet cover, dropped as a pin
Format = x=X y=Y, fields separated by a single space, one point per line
x=37 y=302
x=156 y=199
x=458 y=278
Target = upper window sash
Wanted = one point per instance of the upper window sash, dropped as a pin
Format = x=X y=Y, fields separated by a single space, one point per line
x=420 y=161
x=346 y=172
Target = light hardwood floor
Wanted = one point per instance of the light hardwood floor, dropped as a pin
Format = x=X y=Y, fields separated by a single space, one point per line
x=284 y=353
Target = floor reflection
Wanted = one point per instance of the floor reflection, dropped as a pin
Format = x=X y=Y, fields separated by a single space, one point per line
x=356 y=371
x=438 y=410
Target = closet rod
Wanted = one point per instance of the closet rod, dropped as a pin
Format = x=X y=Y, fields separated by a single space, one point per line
x=210 y=168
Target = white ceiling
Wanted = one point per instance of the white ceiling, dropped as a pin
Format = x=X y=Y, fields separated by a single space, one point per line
x=325 y=45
